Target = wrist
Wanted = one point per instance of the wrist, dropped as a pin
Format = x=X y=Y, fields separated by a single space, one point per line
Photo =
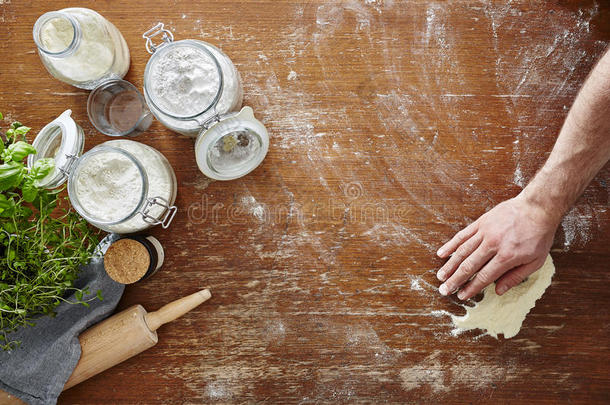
x=542 y=197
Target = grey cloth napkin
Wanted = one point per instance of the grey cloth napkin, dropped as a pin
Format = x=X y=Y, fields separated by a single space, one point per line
x=38 y=369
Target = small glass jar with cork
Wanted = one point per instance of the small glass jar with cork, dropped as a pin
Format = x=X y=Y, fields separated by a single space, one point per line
x=130 y=259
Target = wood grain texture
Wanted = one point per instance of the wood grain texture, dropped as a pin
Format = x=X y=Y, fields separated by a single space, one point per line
x=392 y=124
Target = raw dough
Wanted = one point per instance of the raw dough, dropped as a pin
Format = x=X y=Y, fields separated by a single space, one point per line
x=504 y=314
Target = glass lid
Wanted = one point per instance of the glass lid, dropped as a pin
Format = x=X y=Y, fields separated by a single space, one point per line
x=232 y=147
x=183 y=79
x=62 y=140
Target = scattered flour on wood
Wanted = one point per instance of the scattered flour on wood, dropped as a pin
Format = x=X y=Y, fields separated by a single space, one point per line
x=429 y=372
x=217 y=390
x=255 y=208
x=464 y=371
x=471 y=371
x=292 y=75
x=415 y=285
x=364 y=338
x=577 y=226
x=274 y=332
x=394 y=234
x=518 y=177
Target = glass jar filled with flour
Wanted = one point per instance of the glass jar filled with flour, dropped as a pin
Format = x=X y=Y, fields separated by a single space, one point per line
x=80 y=47
x=194 y=89
x=120 y=186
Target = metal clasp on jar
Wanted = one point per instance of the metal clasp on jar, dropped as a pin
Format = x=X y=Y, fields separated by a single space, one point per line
x=170 y=212
x=67 y=167
x=158 y=29
x=205 y=125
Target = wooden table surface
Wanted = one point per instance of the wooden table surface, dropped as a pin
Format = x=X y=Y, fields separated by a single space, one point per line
x=393 y=124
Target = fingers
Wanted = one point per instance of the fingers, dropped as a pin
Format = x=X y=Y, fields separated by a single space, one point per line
x=487 y=275
x=467 y=268
x=457 y=240
x=461 y=253
x=515 y=276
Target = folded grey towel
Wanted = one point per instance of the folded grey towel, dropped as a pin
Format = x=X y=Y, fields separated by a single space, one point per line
x=38 y=369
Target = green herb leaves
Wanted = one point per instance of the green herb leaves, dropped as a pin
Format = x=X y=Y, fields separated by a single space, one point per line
x=42 y=245
x=6 y=205
x=12 y=170
x=40 y=169
x=18 y=151
x=11 y=175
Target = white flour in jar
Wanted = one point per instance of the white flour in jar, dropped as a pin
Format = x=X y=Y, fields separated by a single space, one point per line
x=109 y=185
x=95 y=54
x=184 y=82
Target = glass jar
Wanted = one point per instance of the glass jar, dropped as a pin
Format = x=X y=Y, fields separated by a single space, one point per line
x=188 y=82
x=193 y=88
x=120 y=186
x=80 y=47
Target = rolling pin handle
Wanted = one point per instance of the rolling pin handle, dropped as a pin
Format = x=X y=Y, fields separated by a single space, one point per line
x=176 y=309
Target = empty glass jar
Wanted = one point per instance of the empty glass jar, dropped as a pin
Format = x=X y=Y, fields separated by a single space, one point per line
x=116 y=108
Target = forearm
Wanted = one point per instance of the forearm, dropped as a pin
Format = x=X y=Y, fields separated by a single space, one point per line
x=512 y=240
x=581 y=150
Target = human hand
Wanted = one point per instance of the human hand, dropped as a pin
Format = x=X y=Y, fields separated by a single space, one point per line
x=506 y=244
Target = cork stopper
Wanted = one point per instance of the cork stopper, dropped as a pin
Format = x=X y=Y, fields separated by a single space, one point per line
x=127 y=261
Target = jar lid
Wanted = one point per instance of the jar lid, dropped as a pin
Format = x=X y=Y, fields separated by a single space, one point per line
x=61 y=140
x=130 y=259
x=182 y=78
x=232 y=145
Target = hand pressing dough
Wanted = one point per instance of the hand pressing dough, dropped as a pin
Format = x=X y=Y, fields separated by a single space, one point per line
x=504 y=314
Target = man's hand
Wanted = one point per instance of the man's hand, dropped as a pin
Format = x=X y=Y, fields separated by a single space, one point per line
x=506 y=244
x=512 y=240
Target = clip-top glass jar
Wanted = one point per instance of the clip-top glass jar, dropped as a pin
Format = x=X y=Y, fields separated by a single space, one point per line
x=189 y=81
x=120 y=186
x=193 y=88
x=80 y=47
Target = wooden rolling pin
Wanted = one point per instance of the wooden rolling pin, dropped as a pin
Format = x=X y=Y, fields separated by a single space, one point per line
x=121 y=337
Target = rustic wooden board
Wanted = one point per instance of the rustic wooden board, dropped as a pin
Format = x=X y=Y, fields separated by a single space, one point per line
x=393 y=124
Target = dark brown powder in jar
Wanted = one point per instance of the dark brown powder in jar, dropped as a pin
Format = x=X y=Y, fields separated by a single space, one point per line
x=126 y=261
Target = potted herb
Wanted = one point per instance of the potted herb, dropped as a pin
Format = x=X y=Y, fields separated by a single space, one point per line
x=42 y=244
